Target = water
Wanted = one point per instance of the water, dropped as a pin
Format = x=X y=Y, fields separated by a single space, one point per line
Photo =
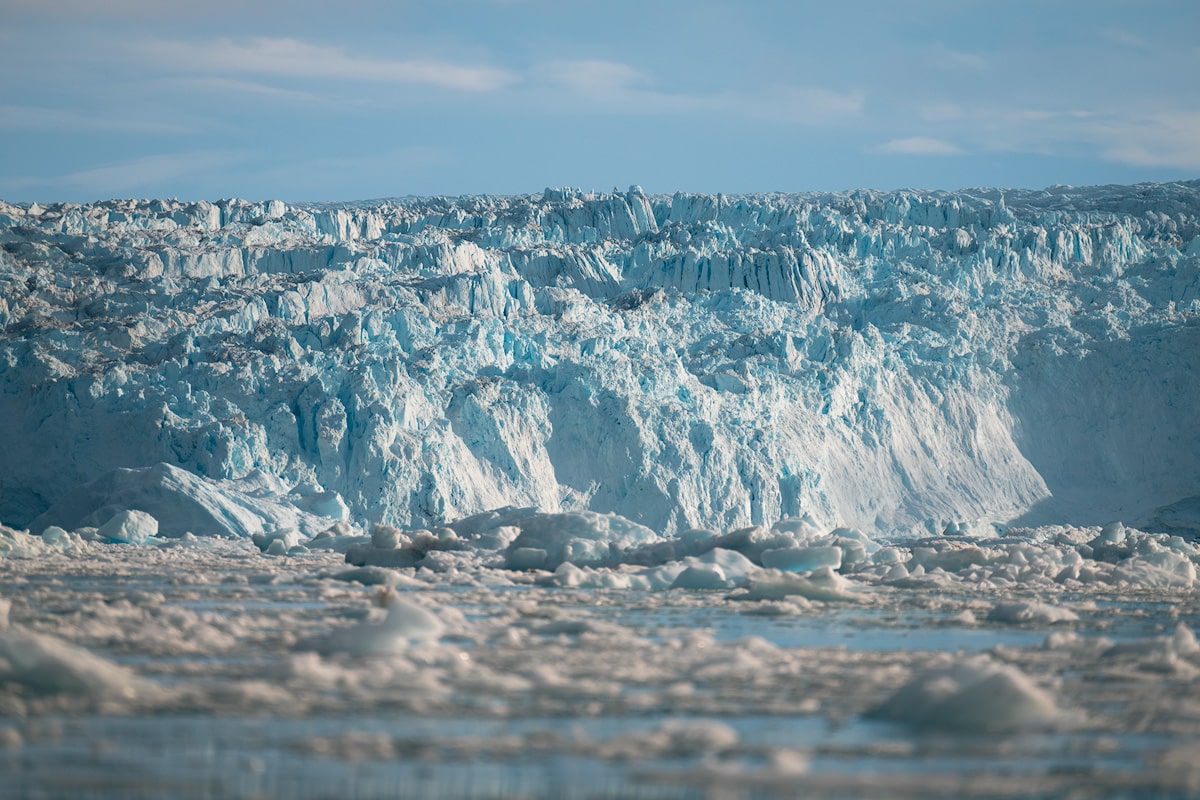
x=544 y=692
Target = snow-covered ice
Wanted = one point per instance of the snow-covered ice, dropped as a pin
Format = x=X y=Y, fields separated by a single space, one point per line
x=858 y=494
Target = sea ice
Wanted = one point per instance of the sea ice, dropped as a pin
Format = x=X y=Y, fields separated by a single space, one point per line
x=974 y=695
x=405 y=625
x=822 y=584
x=129 y=527
x=802 y=559
x=45 y=666
x=701 y=576
x=673 y=739
x=1034 y=612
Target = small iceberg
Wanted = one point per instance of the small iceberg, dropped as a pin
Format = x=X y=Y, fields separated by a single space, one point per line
x=975 y=695
x=405 y=626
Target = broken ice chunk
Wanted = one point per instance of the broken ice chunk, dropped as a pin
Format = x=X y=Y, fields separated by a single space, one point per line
x=129 y=527
x=823 y=585
x=44 y=665
x=802 y=559
x=975 y=695
x=701 y=576
x=406 y=625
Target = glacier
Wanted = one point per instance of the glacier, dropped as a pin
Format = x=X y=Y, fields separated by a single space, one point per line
x=865 y=494
x=892 y=361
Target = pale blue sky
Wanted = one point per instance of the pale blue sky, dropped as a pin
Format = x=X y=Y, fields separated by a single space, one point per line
x=356 y=99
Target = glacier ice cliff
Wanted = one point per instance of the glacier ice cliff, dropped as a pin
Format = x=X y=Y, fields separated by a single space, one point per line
x=883 y=360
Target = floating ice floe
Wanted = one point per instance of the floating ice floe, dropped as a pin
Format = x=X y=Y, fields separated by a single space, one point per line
x=1180 y=643
x=682 y=738
x=392 y=547
x=405 y=625
x=1031 y=612
x=129 y=527
x=822 y=585
x=22 y=544
x=583 y=538
x=972 y=695
x=46 y=666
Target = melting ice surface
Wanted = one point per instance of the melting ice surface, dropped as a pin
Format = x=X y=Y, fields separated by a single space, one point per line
x=586 y=495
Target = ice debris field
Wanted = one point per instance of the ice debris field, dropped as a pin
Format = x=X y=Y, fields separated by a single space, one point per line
x=602 y=495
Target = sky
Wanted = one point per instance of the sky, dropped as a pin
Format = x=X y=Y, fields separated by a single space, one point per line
x=357 y=99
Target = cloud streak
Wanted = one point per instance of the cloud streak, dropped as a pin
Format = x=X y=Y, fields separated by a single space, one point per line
x=19 y=117
x=132 y=175
x=611 y=87
x=297 y=59
x=231 y=86
x=920 y=146
x=1167 y=139
x=1132 y=137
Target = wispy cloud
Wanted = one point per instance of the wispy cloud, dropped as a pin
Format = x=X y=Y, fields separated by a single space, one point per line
x=952 y=59
x=806 y=105
x=17 y=117
x=942 y=112
x=293 y=58
x=611 y=87
x=109 y=8
x=1135 y=137
x=920 y=146
x=148 y=172
x=1125 y=38
x=227 y=86
x=1167 y=139
x=593 y=76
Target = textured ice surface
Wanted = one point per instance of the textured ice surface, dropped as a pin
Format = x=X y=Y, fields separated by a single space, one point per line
x=888 y=361
x=1013 y=665
x=602 y=495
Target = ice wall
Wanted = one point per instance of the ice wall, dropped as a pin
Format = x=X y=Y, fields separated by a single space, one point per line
x=874 y=359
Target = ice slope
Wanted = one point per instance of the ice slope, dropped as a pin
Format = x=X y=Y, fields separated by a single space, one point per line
x=882 y=360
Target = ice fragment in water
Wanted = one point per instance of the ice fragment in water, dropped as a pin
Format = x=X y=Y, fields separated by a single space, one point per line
x=45 y=665
x=701 y=576
x=974 y=695
x=406 y=625
x=129 y=527
x=802 y=559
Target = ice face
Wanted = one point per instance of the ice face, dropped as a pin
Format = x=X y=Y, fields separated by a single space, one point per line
x=881 y=360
